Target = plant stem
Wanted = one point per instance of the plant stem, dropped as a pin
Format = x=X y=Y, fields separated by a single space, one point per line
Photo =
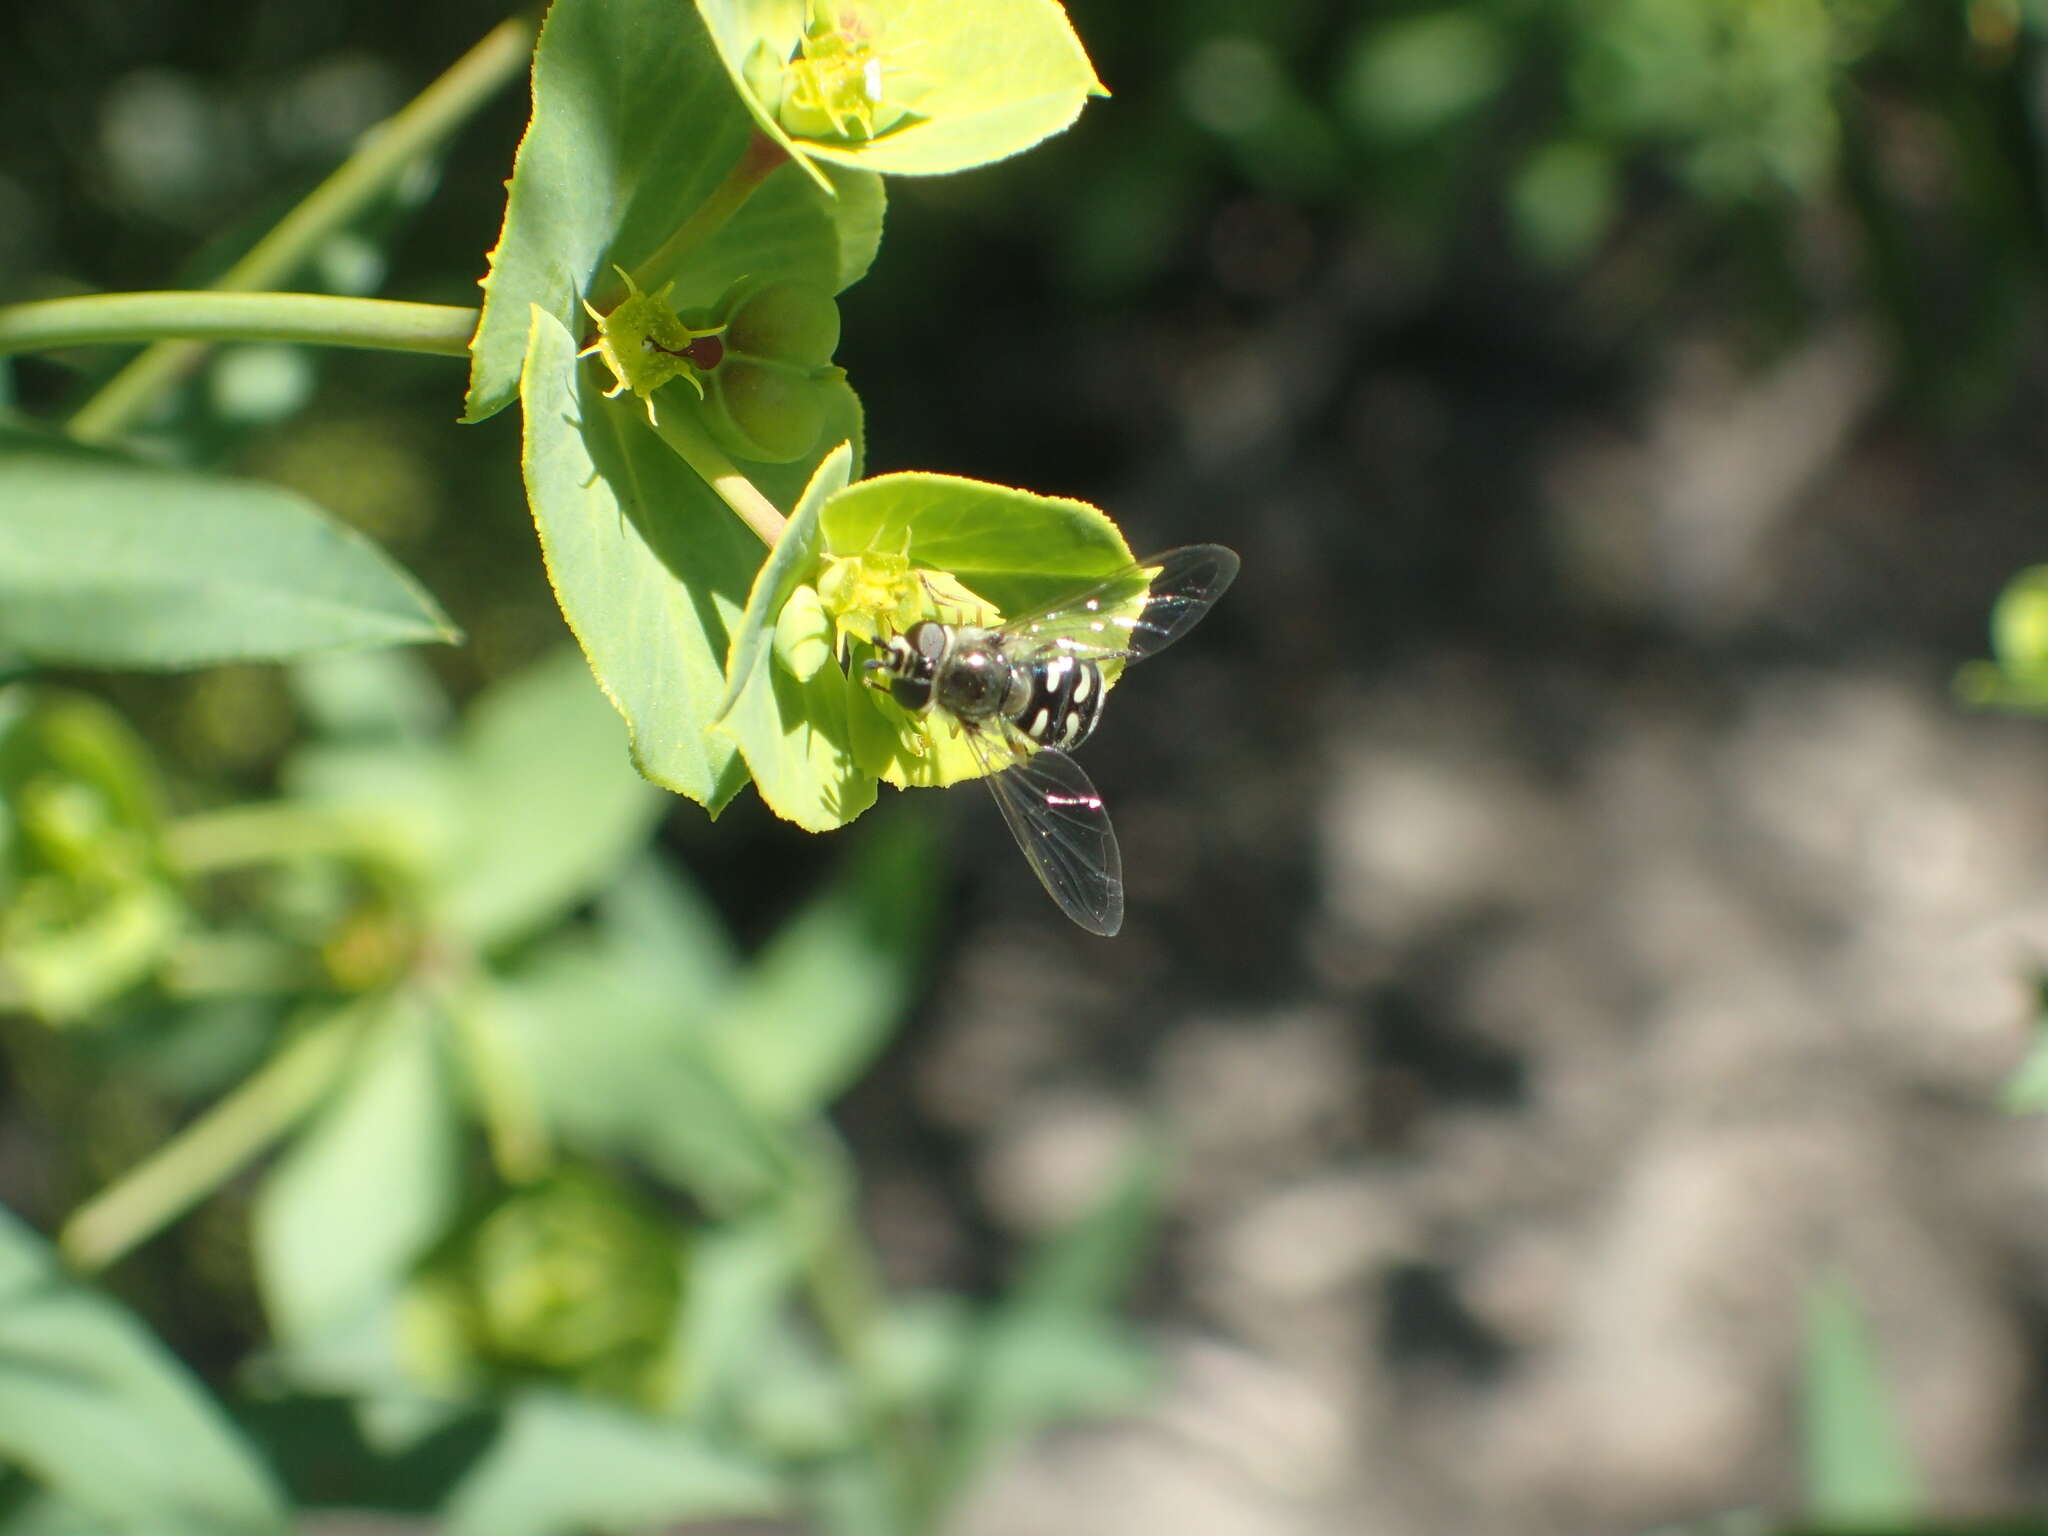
x=258 y=833
x=846 y=1291
x=695 y=447
x=382 y=155
x=316 y=319
x=515 y=1126
x=761 y=156
x=203 y=1156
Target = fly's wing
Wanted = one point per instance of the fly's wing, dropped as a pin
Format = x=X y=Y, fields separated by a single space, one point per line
x=1058 y=820
x=1177 y=587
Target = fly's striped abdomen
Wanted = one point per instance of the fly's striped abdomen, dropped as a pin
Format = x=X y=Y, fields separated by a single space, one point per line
x=1063 y=703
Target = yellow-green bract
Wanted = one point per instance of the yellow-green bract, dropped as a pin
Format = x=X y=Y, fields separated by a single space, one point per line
x=919 y=545
x=905 y=87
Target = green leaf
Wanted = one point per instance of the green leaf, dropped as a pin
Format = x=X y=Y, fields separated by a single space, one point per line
x=741 y=1274
x=941 y=85
x=1859 y=1474
x=550 y=802
x=793 y=732
x=610 y=502
x=650 y=567
x=824 y=994
x=365 y=1189
x=370 y=695
x=93 y=1408
x=634 y=126
x=566 y=1465
x=663 y=930
x=618 y=1058
x=1052 y=1350
x=106 y=561
x=1017 y=549
x=788 y=229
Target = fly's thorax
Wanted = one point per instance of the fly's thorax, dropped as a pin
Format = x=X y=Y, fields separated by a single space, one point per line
x=975 y=679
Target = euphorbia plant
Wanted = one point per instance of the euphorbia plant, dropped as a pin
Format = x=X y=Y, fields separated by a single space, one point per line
x=693 y=189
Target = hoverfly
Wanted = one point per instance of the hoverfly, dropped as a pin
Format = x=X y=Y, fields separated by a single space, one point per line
x=1028 y=690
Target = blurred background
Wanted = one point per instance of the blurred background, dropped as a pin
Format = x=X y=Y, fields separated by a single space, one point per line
x=1577 y=905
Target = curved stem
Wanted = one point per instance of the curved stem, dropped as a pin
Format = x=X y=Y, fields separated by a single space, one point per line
x=382 y=156
x=317 y=319
x=844 y=1282
x=203 y=1156
x=761 y=156
x=696 y=449
x=267 y=830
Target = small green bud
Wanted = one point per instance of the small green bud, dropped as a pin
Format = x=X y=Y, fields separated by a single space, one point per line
x=2019 y=625
x=767 y=412
x=791 y=322
x=769 y=388
x=803 y=635
x=574 y=1277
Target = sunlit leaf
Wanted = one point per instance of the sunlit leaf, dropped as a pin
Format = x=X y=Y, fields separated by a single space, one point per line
x=634 y=125
x=107 y=561
x=1014 y=549
x=905 y=87
x=651 y=569
x=793 y=731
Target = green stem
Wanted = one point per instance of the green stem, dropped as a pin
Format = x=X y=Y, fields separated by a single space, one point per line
x=846 y=1291
x=761 y=156
x=508 y=1101
x=267 y=830
x=316 y=319
x=695 y=447
x=202 y=1157
x=383 y=155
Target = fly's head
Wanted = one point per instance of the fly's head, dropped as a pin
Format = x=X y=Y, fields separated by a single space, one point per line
x=909 y=664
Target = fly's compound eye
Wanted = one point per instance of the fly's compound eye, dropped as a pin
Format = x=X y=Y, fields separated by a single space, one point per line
x=912 y=663
x=927 y=639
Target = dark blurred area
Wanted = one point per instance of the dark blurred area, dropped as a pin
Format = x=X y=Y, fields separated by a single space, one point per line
x=1570 y=911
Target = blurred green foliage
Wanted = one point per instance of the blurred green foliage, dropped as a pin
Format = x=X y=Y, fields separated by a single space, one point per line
x=546 y=1221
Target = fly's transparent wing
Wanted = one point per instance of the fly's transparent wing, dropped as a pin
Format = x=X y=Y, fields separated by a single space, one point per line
x=1106 y=622
x=1058 y=820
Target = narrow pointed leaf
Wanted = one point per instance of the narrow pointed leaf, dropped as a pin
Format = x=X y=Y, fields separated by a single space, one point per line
x=551 y=803
x=107 y=561
x=793 y=731
x=1859 y=1474
x=364 y=1190
x=824 y=995
x=563 y=1465
x=95 y=1410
